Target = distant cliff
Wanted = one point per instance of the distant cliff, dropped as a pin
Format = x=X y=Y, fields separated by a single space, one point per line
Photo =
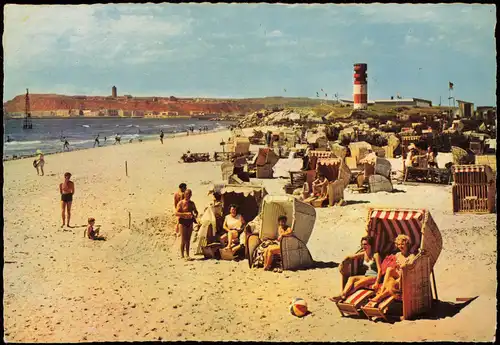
x=45 y=105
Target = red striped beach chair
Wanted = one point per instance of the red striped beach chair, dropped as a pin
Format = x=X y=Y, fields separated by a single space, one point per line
x=384 y=225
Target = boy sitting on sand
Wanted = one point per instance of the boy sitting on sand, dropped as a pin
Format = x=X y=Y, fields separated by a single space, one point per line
x=93 y=233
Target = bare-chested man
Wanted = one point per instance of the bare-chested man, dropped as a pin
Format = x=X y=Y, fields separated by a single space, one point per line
x=67 y=189
x=178 y=196
x=320 y=186
x=187 y=213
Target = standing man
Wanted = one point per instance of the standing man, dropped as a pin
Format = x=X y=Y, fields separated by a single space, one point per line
x=187 y=213
x=96 y=141
x=178 y=196
x=67 y=189
x=161 y=136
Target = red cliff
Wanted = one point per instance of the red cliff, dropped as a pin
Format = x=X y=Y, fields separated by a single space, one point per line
x=52 y=102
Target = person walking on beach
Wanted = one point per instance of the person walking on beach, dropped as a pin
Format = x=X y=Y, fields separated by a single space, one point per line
x=161 y=136
x=96 y=141
x=39 y=162
x=67 y=189
x=187 y=213
x=66 y=144
x=117 y=139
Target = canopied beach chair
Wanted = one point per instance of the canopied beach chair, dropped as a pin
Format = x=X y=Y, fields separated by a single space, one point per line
x=247 y=196
x=265 y=160
x=384 y=224
x=301 y=218
x=474 y=189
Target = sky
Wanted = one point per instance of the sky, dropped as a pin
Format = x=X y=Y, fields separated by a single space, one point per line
x=251 y=50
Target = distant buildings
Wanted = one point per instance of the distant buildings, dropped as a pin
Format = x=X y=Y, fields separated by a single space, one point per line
x=411 y=102
x=113 y=92
x=465 y=109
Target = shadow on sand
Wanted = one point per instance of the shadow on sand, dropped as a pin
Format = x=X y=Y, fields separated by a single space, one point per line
x=323 y=264
x=355 y=202
x=442 y=309
x=395 y=190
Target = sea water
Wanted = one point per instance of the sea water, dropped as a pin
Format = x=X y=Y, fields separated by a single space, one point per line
x=47 y=134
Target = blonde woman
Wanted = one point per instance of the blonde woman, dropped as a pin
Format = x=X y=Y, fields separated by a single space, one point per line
x=392 y=278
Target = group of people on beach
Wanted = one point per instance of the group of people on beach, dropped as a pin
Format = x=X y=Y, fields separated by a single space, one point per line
x=67 y=190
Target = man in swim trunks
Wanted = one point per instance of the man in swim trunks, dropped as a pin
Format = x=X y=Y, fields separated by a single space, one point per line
x=187 y=213
x=178 y=196
x=67 y=189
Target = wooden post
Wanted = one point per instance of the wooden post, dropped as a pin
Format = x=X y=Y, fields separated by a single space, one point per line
x=434 y=284
x=129 y=219
x=126 y=169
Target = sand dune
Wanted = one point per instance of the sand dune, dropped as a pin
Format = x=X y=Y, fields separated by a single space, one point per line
x=61 y=287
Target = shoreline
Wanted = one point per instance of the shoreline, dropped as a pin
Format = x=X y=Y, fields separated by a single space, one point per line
x=146 y=139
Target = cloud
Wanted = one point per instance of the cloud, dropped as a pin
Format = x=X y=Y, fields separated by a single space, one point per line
x=367 y=42
x=89 y=33
x=281 y=43
x=275 y=33
x=409 y=39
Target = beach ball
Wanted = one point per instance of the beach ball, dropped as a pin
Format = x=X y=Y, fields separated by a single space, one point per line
x=298 y=307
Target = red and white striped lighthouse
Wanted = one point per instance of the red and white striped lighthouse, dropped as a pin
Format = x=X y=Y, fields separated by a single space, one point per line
x=360 y=90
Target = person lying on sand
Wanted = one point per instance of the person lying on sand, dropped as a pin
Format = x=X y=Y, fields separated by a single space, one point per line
x=394 y=264
x=320 y=186
x=67 y=189
x=274 y=249
x=92 y=232
x=178 y=196
x=187 y=213
x=371 y=261
x=233 y=225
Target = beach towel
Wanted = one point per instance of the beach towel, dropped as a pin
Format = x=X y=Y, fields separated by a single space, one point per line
x=258 y=254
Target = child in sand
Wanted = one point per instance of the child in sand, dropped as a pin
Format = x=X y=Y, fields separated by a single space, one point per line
x=93 y=233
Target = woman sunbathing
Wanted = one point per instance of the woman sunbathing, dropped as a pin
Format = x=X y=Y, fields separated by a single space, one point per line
x=392 y=279
x=371 y=261
x=274 y=249
x=233 y=225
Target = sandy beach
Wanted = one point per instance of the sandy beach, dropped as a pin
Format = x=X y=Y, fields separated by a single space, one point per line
x=62 y=287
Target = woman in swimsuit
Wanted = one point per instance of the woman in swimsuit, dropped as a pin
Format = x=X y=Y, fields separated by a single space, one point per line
x=40 y=163
x=392 y=277
x=187 y=213
x=371 y=261
x=67 y=189
x=275 y=249
x=233 y=225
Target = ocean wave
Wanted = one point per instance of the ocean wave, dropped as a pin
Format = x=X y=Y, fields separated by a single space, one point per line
x=15 y=142
x=79 y=142
x=86 y=126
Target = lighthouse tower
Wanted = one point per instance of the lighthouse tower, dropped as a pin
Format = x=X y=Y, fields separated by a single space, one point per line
x=360 y=89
